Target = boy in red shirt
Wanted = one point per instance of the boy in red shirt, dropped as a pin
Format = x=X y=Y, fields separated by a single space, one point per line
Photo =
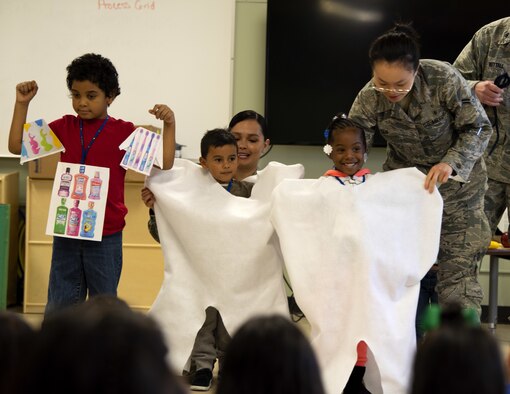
x=80 y=268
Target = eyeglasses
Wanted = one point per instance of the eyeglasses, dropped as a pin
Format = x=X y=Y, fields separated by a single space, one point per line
x=386 y=90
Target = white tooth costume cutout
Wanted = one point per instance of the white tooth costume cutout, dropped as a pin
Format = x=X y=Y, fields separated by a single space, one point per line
x=355 y=255
x=219 y=250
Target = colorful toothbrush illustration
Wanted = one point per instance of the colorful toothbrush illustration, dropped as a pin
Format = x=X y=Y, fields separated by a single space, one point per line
x=128 y=151
x=146 y=154
x=133 y=152
x=139 y=154
x=151 y=156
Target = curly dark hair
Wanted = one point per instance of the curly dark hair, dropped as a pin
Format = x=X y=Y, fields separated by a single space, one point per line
x=96 y=69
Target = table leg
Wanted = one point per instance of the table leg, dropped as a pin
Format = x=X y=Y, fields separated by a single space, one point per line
x=493 y=293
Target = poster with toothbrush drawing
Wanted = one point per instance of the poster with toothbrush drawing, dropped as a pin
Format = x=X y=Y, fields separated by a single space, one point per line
x=143 y=150
x=38 y=141
x=78 y=201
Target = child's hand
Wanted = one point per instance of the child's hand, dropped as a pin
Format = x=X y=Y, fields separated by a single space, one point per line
x=163 y=112
x=25 y=91
x=148 y=198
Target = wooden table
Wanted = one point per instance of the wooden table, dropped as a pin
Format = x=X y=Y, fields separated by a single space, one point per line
x=494 y=254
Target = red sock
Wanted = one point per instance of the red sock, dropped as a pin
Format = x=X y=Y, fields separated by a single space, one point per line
x=362 y=349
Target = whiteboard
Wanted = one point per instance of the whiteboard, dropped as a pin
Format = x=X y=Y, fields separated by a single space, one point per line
x=175 y=52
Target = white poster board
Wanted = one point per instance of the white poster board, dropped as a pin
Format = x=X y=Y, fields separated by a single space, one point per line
x=174 y=52
x=78 y=201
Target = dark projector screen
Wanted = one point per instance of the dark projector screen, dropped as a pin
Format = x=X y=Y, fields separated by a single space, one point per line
x=317 y=53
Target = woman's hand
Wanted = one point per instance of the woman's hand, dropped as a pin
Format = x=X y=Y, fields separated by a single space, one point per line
x=488 y=93
x=438 y=174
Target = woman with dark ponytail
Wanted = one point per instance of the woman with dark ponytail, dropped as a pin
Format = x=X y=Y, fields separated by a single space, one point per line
x=430 y=119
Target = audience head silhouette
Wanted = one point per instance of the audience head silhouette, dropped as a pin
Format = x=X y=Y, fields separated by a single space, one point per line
x=458 y=357
x=269 y=354
x=16 y=342
x=101 y=347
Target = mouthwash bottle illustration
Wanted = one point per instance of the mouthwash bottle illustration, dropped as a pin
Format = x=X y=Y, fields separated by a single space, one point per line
x=80 y=185
x=65 y=183
x=95 y=187
x=61 y=218
x=73 y=226
x=89 y=222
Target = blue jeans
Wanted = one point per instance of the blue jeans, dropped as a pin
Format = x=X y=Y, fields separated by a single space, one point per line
x=428 y=295
x=79 y=267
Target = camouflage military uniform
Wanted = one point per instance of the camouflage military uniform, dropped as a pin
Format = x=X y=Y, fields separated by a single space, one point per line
x=484 y=58
x=444 y=122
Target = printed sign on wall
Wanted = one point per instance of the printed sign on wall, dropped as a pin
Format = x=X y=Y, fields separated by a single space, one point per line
x=78 y=201
x=38 y=141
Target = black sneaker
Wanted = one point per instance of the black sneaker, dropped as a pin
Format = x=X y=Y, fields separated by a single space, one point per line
x=202 y=380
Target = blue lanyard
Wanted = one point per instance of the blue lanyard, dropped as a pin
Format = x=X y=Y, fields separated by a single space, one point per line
x=339 y=180
x=84 y=150
x=230 y=185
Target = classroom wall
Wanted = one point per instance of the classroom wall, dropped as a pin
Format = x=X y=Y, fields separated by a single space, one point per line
x=248 y=93
x=249 y=83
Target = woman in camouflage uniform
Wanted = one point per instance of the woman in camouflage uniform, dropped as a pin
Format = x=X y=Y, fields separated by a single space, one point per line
x=425 y=111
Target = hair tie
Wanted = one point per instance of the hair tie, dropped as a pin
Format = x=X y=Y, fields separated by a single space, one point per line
x=431 y=318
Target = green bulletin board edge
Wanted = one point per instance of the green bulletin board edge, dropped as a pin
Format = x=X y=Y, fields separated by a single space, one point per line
x=5 y=210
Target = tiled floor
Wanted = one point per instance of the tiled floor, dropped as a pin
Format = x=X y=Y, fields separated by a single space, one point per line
x=502 y=333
